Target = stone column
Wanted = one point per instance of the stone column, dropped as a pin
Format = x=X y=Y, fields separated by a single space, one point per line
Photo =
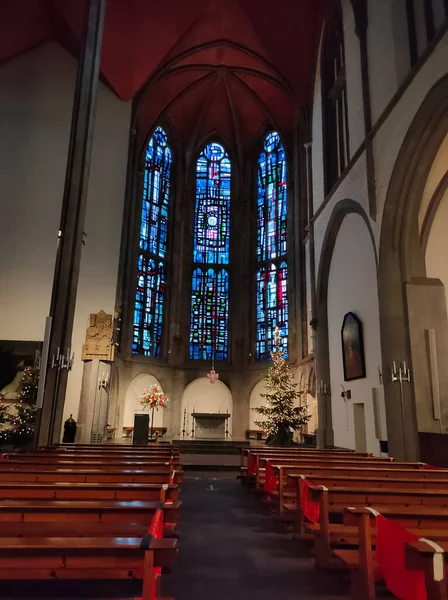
x=70 y=237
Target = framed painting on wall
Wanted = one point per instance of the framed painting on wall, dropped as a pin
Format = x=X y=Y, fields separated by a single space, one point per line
x=352 y=348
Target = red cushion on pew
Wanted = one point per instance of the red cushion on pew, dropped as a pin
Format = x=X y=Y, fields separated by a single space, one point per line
x=391 y=538
x=310 y=508
x=270 y=480
x=251 y=464
x=156 y=530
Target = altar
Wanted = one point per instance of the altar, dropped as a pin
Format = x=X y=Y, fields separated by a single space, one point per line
x=210 y=425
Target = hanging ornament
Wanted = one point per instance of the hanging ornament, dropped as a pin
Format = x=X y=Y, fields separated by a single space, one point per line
x=212 y=376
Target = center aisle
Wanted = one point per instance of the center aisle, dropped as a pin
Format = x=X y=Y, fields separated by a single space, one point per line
x=230 y=549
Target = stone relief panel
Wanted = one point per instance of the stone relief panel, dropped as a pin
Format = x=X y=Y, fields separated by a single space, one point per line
x=99 y=338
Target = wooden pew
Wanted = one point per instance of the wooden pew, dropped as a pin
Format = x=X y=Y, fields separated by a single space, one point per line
x=75 y=529
x=422 y=557
x=256 y=460
x=333 y=502
x=160 y=449
x=426 y=521
x=324 y=467
x=98 y=455
x=92 y=557
x=154 y=492
x=85 y=511
x=270 y=451
x=351 y=471
x=160 y=475
x=103 y=463
x=111 y=447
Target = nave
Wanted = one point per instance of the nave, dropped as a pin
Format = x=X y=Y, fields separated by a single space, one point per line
x=232 y=548
x=107 y=522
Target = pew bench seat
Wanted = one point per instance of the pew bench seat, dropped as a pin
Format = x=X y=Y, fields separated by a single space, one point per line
x=75 y=529
x=85 y=510
x=350 y=558
x=348 y=534
x=94 y=491
x=83 y=558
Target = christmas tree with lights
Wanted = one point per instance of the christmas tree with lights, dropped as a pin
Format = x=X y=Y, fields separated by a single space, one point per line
x=17 y=420
x=280 y=418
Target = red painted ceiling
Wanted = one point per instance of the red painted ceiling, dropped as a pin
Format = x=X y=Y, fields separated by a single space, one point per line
x=226 y=66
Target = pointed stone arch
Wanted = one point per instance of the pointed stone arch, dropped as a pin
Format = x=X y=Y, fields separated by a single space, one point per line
x=409 y=301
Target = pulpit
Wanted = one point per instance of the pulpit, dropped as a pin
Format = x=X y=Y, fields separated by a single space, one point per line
x=210 y=425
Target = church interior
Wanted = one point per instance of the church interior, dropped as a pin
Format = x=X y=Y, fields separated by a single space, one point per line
x=206 y=203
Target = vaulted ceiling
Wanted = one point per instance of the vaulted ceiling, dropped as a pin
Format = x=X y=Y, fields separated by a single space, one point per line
x=226 y=66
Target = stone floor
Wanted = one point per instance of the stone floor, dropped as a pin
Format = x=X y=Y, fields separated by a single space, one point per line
x=229 y=549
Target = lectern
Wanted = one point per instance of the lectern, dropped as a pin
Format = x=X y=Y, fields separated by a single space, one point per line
x=141 y=429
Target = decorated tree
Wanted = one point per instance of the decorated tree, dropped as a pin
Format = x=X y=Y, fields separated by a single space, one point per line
x=280 y=418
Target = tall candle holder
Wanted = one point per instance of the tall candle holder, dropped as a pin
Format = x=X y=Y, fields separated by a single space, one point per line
x=400 y=375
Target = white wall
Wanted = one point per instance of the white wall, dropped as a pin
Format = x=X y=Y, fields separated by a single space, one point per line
x=202 y=396
x=132 y=405
x=354 y=82
x=35 y=115
x=437 y=246
x=388 y=50
x=100 y=257
x=352 y=287
x=35 y=112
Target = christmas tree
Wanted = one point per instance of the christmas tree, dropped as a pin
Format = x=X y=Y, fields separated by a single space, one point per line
x=280 y=417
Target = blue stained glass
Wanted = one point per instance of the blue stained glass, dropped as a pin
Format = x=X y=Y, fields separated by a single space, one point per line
x=148 y=310
x=156 y=193
x=149 y=298
x=272 y=308
x=272 y=273
x=272 y=200
x=209 y=314
x=212 y=216
x=210 y=284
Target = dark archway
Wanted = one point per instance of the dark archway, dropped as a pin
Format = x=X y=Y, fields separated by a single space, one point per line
x=325 y=435
x=410 y=302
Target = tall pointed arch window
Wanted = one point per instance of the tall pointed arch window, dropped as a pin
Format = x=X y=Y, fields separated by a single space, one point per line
x=209 y=316
x=334 y=95
x=151 y=276
x=272 y=268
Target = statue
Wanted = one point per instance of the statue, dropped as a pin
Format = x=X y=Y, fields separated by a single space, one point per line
x=13 y=390
x=69 y=431
x=99 y=336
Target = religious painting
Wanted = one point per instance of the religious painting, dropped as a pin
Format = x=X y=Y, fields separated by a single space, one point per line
x=352 y=348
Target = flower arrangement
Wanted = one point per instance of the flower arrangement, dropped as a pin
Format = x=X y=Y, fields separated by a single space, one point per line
x=153 y=398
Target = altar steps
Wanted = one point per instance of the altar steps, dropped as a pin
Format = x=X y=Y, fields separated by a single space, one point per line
x=201 y=455
x=193 y=446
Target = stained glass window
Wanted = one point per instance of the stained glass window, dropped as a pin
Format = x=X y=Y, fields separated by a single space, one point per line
x=209 y=314
x=272 y=271
x=212 y=217
x=149 y=298
x=210 y=283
